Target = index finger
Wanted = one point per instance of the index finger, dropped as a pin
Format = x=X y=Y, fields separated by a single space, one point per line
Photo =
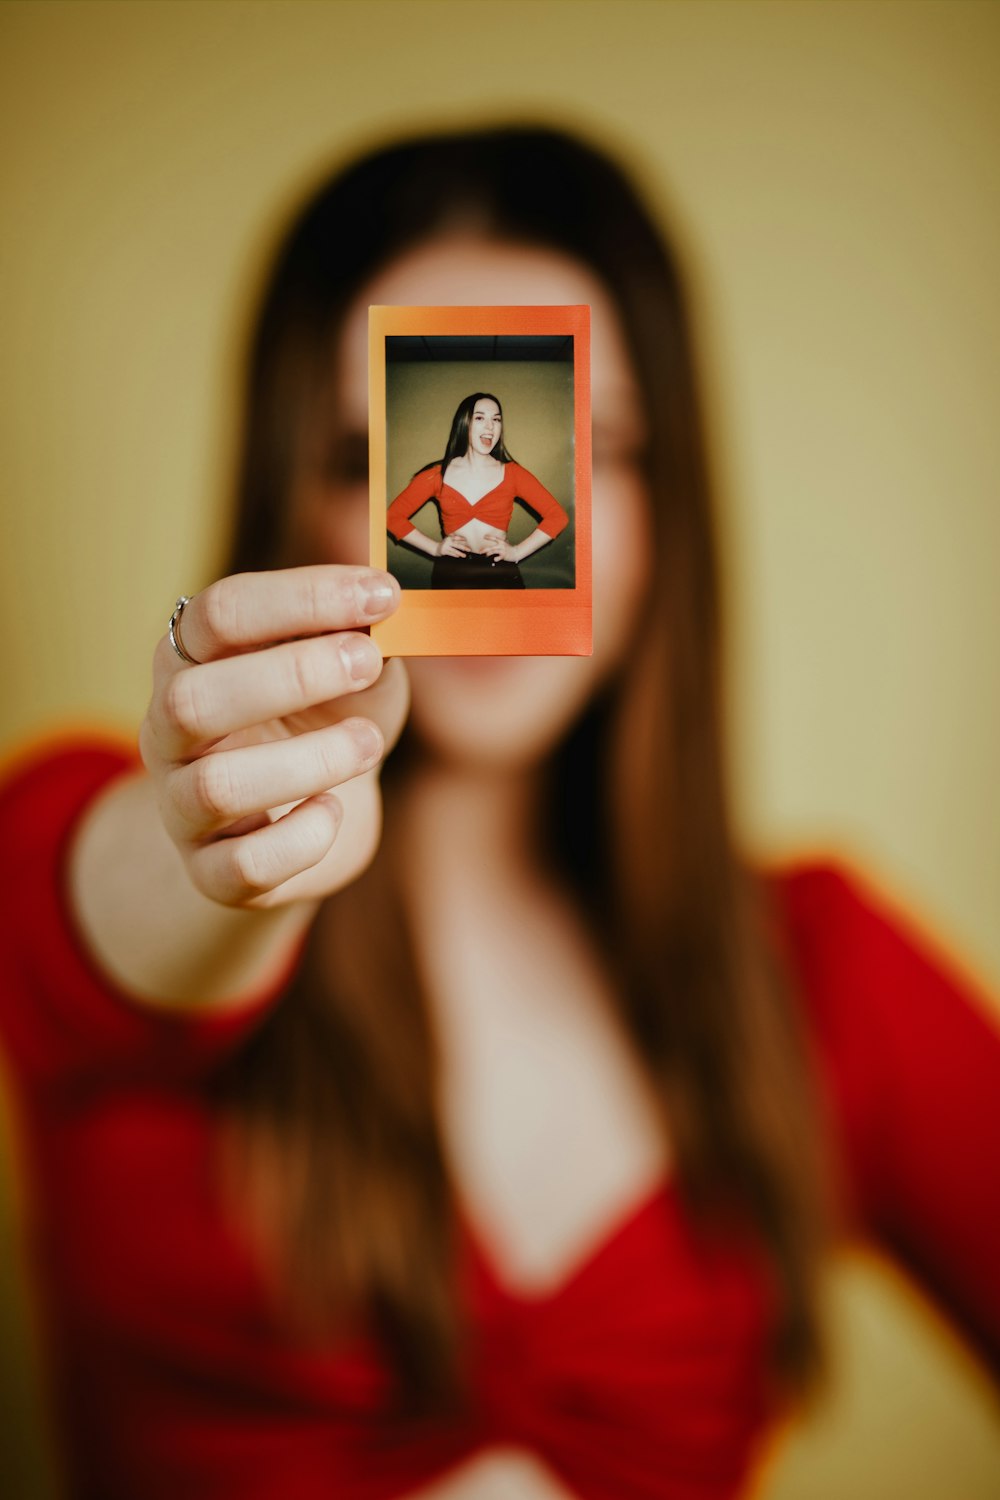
x=248 y=610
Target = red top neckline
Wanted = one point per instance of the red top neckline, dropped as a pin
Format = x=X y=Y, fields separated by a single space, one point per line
x=603 y=1244
x=486 y=494
x=495 y=508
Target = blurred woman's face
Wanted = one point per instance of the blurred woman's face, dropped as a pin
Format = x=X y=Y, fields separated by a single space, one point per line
x=503 y=712
x=484 y=427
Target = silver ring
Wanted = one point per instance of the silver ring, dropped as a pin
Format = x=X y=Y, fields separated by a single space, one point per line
x=174 y=631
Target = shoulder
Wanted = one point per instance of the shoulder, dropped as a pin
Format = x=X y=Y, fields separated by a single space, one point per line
x=811 y=901
x=524 y=482
x=847 y=932
x=852 y=942
x=820 y=925
x=891 y=1011
x=425 y=481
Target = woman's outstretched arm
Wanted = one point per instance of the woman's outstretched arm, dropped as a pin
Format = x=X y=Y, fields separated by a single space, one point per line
x=193 y=880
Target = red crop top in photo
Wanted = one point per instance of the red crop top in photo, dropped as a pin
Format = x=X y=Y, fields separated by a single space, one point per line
x=641 y=1377
x=494 y=509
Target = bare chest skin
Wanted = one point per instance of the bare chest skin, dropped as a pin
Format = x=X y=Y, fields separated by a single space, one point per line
x=497 y=1474
x=472 y=480
x=549 y=1125
x=549 y=1121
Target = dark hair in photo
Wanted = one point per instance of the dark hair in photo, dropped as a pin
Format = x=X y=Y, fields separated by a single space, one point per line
x=458 y=439
x=337 y=1087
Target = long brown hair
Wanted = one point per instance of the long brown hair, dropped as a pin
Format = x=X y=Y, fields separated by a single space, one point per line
x=340 y=1081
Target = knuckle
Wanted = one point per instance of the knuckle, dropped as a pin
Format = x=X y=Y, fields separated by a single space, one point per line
x=205 y=877
x=219 y=610
x=341 y=597
x=321 y=600
x=250 y=867
x=306 y=678
x=181 y=705
x=213 y=790
x=323 y=597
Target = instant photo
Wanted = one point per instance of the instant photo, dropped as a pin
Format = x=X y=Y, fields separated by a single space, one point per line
x=480 y=478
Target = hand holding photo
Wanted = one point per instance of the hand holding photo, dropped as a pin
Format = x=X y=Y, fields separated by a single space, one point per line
x=480 y=478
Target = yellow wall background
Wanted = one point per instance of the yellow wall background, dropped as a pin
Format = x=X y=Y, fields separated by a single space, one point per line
x=537 y=402
x=832 y=169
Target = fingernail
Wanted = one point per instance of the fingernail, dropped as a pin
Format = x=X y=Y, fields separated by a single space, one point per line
x=361 y=657
x=367 y=739
x=376 y=592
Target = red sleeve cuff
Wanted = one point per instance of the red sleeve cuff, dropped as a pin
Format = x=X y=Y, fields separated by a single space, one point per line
x=63 y=1021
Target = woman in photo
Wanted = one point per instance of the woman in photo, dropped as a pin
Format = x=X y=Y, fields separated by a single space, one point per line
x=474 y=487
x=425 y=1093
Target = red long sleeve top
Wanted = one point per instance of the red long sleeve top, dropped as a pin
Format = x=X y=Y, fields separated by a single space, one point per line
x=640 y=1378
x=495 y=508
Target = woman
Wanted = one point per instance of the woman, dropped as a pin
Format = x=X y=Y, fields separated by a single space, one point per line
x=499 y=1144
x=475 y=486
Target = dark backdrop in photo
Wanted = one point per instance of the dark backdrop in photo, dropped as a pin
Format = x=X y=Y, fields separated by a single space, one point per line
x=532 y=377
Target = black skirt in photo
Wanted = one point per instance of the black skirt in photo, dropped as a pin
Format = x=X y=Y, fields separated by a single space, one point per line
x=475 y=572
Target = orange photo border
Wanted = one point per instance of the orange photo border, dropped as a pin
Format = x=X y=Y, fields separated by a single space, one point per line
x=473 y=622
